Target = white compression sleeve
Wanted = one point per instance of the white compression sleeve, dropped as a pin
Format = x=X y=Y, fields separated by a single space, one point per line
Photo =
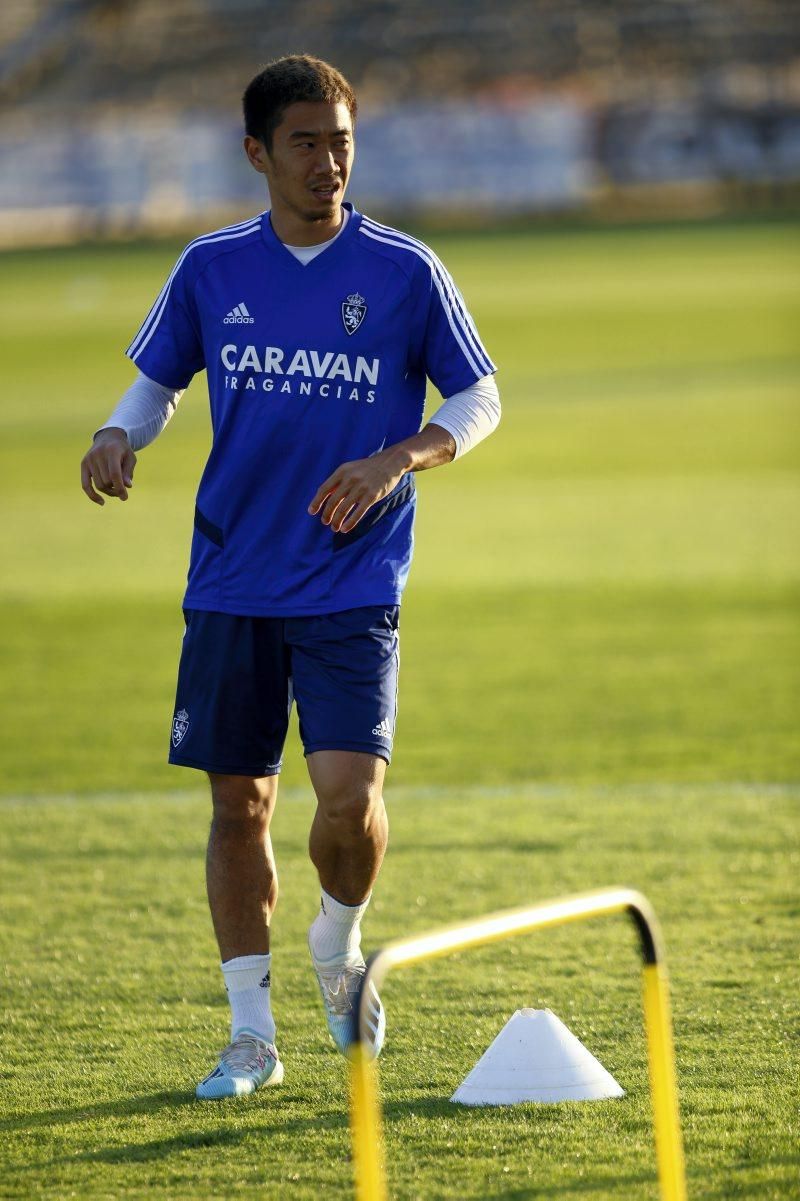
x=143 y=411
x=471 y=415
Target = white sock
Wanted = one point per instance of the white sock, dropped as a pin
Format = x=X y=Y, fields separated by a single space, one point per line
x=247 y=980
x=335 y=934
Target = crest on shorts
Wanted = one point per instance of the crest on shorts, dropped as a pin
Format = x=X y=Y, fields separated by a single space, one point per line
x=180 y=724
x=354 y=310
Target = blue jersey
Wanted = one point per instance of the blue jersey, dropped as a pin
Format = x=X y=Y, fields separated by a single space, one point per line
x=308 y=367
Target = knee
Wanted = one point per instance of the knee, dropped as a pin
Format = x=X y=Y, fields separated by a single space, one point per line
x=242 y=800
x=353 y=811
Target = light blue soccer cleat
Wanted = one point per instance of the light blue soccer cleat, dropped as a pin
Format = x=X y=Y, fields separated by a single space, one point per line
x=339 y=987
x=246 y=1064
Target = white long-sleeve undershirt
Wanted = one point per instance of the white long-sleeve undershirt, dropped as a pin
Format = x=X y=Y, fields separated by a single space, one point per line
x=471 y=415
x=145 y=408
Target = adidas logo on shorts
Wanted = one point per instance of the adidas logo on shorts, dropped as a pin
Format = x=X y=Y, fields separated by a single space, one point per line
x=383 y=728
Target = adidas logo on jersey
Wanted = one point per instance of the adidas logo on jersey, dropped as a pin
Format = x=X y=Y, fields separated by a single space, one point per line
x=383 y=728
x=239 y=316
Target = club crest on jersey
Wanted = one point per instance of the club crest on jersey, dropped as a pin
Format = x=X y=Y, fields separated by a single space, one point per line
x=354 y=310
x=180 y=725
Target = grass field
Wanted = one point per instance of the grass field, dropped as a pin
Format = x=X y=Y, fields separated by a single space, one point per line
x=599 y=686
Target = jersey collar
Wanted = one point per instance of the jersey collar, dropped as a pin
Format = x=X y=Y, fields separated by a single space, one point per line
x=329 y=255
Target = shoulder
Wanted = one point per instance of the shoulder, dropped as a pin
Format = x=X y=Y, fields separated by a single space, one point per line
x=410 y=254
x=204 y=249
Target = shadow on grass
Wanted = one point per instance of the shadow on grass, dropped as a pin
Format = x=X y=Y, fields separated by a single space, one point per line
x=598 y=1184
x=147 y=1105
x=152 y=1103
x=735 y=1186
x=121 y=1107
x=160 y=1148
x=604 y=1184
x=330 y=1120
x=442 y=1107
x=269 y=1116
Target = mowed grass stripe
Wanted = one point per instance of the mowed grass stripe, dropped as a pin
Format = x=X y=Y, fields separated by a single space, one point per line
x=597 y=684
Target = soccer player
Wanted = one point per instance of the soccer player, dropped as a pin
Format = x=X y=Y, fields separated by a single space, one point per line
x=317 y=328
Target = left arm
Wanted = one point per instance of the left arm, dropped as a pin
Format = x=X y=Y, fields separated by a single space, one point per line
x=458 y=425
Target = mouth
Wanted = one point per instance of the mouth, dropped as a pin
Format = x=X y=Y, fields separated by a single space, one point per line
x=327 y=191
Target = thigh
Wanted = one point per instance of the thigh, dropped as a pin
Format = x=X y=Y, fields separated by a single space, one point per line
x=345 y=669
x=233 y=696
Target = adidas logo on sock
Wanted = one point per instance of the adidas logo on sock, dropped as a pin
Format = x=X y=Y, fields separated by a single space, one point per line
x=265 y=983
x=239 y=316
x=383 y=728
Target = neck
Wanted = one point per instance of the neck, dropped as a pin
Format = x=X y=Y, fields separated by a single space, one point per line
x=294 y=230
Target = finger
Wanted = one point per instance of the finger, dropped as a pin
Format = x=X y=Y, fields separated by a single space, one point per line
x=319 y=496
x=331 y=500
x=103 y=469
x=344 y=508
x=334 y=503
x=344 y=513
x=324 y=490
x=97 y=461
x=86 y=484
x=117 y=487
x=353 y=518
x=128 y=465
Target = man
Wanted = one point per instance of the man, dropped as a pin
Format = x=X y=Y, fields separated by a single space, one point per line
x=317 y=327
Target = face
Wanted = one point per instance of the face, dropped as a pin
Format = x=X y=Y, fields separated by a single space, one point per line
x=308 y=165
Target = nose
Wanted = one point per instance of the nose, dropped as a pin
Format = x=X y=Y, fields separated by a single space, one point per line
x=324 y=161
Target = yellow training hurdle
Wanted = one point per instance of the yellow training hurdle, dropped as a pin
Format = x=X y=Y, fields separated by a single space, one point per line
x=365 y=1110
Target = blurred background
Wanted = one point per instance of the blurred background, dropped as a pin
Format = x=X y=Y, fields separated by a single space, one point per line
x=122 y=117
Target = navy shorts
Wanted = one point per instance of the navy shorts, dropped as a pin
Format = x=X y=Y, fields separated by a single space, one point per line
x=238 y=677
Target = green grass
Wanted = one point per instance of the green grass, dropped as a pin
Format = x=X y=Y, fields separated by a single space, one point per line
x=116 y=1003
x=599 y=686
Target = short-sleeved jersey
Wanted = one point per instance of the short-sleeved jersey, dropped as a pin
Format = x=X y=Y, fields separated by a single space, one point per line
x=308 y=367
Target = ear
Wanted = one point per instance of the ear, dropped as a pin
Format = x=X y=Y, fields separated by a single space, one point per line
x=257 y=154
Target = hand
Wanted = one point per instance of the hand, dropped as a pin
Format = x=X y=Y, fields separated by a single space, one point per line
x=344 y=497
x=108 y=466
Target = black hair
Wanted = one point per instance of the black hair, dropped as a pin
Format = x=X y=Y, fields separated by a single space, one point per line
x=292 y=80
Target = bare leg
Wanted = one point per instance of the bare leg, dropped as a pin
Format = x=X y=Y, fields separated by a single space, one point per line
x=350 y=828
x=241 y=878
x=347 y=843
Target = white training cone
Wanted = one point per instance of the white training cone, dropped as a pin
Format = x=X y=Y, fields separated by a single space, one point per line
x=536 y=1058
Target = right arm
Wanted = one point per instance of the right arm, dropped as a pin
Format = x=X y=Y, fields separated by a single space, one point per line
x=168 y=346
x=141 y=415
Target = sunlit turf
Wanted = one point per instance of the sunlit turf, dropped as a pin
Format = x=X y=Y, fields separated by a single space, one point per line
x=115 y=1006
x=599 y=686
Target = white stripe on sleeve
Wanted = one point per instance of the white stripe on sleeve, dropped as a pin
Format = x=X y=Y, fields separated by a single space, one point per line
x=143 y=411
x=438 y=269
x=463 y=332
x=150 y=323
x=471 y=415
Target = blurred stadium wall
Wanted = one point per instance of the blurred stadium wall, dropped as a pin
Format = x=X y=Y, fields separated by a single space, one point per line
x=122 y=119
